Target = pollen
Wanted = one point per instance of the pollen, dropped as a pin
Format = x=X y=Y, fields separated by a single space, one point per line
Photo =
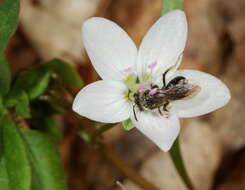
x=146 y=76
x=131 y=82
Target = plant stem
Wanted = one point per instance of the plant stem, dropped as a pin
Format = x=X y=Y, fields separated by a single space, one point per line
x=175 y=154
x=113 y=158
x=100 y=130
x=126 y=170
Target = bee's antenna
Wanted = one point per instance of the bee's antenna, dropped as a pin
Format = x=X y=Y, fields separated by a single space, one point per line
x=164 y=77
x=165 y=73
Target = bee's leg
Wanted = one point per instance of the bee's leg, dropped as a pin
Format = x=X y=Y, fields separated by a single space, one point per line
x=159 y=110
x=135 y=117
x=165 y=73
x=166 y=113
x=165 y=106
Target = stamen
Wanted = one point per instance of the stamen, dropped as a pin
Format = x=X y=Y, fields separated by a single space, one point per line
x=131 y=82
x=142 y=87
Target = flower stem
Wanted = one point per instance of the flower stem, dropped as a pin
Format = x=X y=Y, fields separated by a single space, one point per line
x=169 y=5
x=100 y=130
x=175 y=154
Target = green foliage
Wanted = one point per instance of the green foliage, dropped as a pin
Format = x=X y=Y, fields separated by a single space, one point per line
x=48 y=126
x=20 y=100
x=9 y=11
x=52 y=129
x=3 y=110
x=29 y=160
x=65 y=71
x=169 y=5
x=34 y=82
x=4 y=181
x=15 y=157
x=22 y=105
x=5 y=75
x=47 y=169
x=128 y=124
x=42 y=112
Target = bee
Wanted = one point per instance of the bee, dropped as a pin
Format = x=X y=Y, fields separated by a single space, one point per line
x=157 y=98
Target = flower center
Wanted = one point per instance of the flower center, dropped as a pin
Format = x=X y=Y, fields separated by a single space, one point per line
x=133 y=83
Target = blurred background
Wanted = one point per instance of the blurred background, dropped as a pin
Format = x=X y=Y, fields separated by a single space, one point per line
x=212 y=145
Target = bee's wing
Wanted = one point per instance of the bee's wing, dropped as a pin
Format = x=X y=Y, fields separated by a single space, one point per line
x=193 y=91
x=186 y=91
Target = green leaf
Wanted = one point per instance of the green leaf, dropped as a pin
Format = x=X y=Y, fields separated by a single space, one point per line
x=5 y=75
x=128 y=124
x=169 y=5
x=4 y=181
x=22 y=106
x=65 y=71
x=48 y=126
x=20 y=100
x=9 y=11
x=48 y=173
x=52 y=129
x=10 y=99
x=3 y=110
x=15 y=157
x=1 y=137
x=34 y=82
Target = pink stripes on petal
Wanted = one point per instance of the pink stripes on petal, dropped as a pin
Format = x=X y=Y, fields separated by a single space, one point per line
x=152 y=65
x=129 y=70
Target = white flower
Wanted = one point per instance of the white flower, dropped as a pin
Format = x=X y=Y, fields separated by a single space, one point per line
x=122 y=68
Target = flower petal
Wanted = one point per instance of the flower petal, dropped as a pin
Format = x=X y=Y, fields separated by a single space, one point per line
x=161 y=130
x=103 y=101
x=213 y=95
x=163 y=44
x=109 y=47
